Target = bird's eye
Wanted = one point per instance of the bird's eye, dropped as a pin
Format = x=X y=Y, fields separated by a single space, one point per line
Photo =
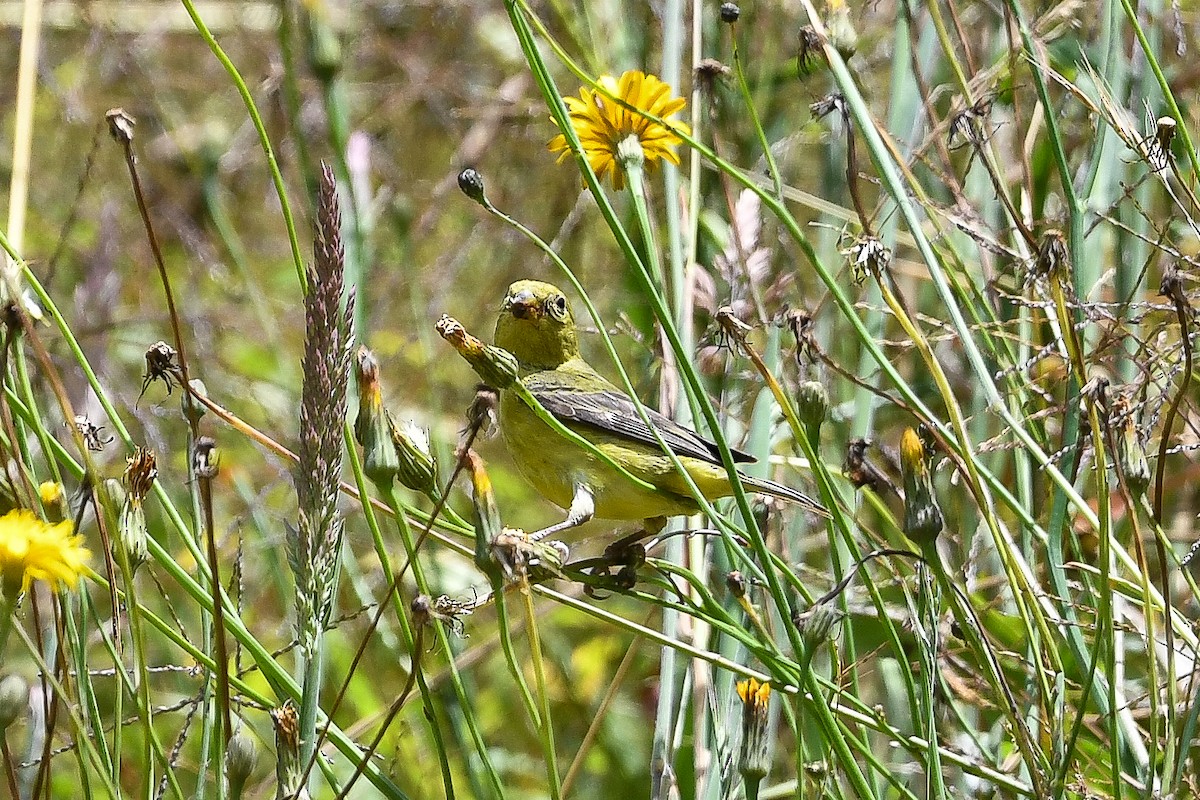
x=557 y=307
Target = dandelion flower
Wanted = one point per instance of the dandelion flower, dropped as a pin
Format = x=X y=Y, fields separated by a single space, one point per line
x=603 y=124
x=31 y=549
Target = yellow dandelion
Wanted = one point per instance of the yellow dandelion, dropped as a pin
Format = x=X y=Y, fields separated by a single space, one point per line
x=603 y=124
x=31 y=549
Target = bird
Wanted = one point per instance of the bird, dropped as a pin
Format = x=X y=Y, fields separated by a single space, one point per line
x=536 y=326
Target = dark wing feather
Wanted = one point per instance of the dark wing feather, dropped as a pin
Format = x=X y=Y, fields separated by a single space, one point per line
x=613 y=412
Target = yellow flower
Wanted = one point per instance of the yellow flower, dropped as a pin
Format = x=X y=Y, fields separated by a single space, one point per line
x=754 y=758
x=602 y=124
x=34 y=550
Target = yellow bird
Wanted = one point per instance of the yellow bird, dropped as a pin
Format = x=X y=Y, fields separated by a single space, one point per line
x=536 y=326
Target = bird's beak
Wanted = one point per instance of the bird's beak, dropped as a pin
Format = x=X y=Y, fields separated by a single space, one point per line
x=522 y=305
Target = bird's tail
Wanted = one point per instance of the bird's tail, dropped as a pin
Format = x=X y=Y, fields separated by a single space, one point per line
x=764 y=486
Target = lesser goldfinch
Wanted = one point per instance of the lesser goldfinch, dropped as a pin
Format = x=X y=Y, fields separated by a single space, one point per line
x=536 y=326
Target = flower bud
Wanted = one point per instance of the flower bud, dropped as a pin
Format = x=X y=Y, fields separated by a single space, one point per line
x=730 y=13
x=417 y=469
x=372 y=427
x=496 y=366
x=487 y=515
x=470 y=182
x=840 y=28
x=922 y=517
x=324 y=47
x=816 y=623
x=753 y=758
x=14 y=700
x=812 y=404
x=240 y=758
x=54 y=500
x=1131 y=456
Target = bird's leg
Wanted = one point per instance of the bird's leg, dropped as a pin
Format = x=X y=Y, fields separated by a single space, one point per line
x=583 y=507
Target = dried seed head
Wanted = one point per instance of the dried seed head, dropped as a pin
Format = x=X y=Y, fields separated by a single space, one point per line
x=206 y=458
x=868 y=257
x=730 y=13
x=161 y=365
x=1052 y=258
x=481 y=414
x=1171 y=286
x=120 y=126
x=735 y=582
x=132 y=530
x=709 y=71
x=92 y=434
x=141 y=470
x=496 y=366
x=1158 y=148
x=970 y=125
x=809 y=54
x=802 y=327
x=829 y=104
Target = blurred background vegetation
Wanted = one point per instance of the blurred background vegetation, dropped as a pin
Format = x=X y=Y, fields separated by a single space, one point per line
x=398 y=98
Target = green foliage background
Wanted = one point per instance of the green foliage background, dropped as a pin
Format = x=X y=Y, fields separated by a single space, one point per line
x=399 y=98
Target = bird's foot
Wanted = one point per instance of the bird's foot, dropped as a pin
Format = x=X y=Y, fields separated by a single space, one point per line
x=617 y=568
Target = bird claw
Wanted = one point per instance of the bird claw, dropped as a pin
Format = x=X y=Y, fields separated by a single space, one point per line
x=617 y=568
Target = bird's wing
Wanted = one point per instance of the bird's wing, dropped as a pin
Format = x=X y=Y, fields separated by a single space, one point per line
x=613 y=412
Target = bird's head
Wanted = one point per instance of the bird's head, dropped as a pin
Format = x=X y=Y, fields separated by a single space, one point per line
x=536 y=325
